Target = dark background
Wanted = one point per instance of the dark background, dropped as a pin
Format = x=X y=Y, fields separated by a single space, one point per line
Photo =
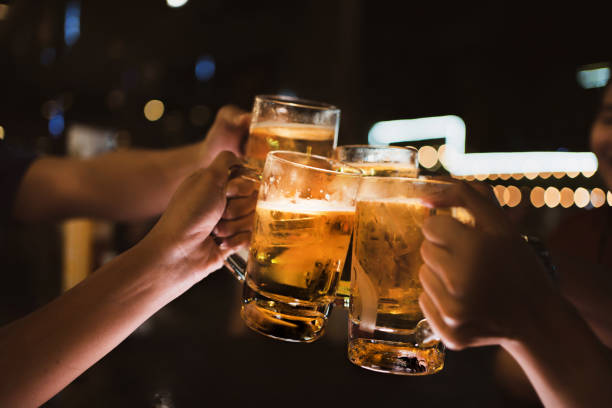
x=508 y=70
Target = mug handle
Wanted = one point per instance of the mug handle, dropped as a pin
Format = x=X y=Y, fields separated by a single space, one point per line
x=234 y=263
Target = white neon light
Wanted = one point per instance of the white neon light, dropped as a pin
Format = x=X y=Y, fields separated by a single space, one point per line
x=452 y=129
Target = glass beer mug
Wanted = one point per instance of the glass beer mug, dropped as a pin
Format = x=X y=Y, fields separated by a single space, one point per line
x=293 y=124
x=287 y=123
x=303 y=223
x=380 y=161
x=387 y=330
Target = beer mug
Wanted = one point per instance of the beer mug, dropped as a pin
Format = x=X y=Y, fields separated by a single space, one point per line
x=387 y=330
x=380 y=161
x=288 y=123
x=303 y=223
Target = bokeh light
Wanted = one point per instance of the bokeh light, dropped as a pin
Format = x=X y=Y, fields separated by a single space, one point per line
x=512 y=196
x=1 y=133
x=56 y=125
x=531 y=176
x=598 y=197
x=588 y=174
x=428 y=156
x=442 y=154
x=481 y=177
x=552 y=197
x=176 y=3
x=545 y=175
x=567 y=197
x=505 y=176
x=205 y=68
x=573 y=174
x=610 y=198
x=493 y=176
x=537 y=197
x=517 y=176
x=154 y=110
x=499 y=194
x=558 y=174
x=4 y=9
x=582 y=197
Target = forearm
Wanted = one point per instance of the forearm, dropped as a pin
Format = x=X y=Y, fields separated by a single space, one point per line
x=124 y=185
x=564 y=361
x=49 y=348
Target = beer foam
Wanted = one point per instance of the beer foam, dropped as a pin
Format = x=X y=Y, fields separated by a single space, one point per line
x=304 y=206
x=295 y=130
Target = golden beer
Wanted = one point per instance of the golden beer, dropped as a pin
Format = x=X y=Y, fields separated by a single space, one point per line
x=386 y=328
x=298 y=250
x=387 y=169
x=269 y=136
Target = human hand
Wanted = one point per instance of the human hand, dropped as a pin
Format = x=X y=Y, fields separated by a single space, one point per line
x=227 y=133
x=483 y=284
x=208 y=218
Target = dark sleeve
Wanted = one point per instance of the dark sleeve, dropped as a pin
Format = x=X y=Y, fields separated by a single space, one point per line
x=13 y=165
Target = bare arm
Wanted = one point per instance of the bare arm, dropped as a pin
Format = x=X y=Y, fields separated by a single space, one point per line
x=122 y=185
x=49 y=348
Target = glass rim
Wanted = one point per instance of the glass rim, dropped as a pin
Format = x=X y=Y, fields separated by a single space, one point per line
x=297 y=102
x=276 y=155
x=376 y=147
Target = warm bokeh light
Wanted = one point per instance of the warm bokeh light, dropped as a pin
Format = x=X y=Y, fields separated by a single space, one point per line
x=481 y=177
x=558 y=175
x=512 y=196
x=537 y=197
x=588 y=174
x=567 y=197
x=610 y=198
x=428 y=156
x=493 y=176
x=499 y=194
x=176 y=3
x=531 y=176
x=154 y=110
x=442 y=154
x=598 y=197
x=4 y=9
x=470 y=178
x=545 y=175
x=573 y=174
x=505 y=176
x=552 y=197
x=518 y=176
x=582 y=197
x=1 y=133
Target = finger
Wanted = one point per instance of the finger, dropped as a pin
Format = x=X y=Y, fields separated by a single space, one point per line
x=241 y=187
x=437 y=323
x=439 y=261
x=219 y=168
x=485 y=211
x=239 y=207
x=231 y=245
x=227 y=228
x=446 y=231
x=449 y=308
x=232 y=115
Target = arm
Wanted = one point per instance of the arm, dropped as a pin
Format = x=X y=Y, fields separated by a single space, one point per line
x=49 y=348
x=486 y=286
x=122 y=185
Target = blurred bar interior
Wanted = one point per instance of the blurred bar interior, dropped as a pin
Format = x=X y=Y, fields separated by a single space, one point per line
x=497 y=93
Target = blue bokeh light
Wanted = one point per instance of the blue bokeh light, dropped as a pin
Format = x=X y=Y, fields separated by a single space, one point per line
x=56 y=125
x=72 y=23
x=205 y=68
